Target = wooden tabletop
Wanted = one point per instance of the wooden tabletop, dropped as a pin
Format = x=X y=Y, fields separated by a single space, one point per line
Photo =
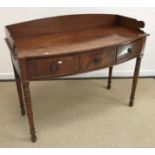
x=71 y=34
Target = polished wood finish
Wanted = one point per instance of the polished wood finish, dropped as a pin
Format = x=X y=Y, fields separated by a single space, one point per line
x=47 y=67
x=97 y=59
x=75 y=33
x=129 y=51
x=67 y=45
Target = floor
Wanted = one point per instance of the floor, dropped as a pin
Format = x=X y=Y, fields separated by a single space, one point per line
x=80 y=113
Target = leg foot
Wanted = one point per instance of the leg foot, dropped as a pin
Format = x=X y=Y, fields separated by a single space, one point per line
x=22 y=112
x=131 y=103
x=108 y=87
x=33 y=138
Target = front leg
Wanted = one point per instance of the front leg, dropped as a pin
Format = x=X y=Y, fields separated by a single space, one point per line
x=19 y=91
x=135 y=79
x=28 y=104
x=109 y=78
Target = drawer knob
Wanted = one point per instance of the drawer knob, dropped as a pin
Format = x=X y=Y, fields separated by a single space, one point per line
x=53 y=68
x=97 y=60
x=130 y=50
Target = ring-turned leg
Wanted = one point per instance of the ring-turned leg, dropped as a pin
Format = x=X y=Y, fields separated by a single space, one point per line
x=135 y=79
x=28 y=104
x=19 y=91
x=109 y=78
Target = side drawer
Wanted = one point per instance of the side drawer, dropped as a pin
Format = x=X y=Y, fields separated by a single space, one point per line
x=51 y=67
x=97 y=59
x=129 y=51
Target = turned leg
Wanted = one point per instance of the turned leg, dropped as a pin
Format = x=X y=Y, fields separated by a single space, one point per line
x=109 y=78
x=28 y=104
x=135 y=78
x=19 y=91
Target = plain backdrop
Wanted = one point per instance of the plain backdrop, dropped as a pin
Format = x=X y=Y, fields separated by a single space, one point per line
x=15 y=15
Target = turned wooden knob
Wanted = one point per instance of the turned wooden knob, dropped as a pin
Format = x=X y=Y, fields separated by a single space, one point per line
x=97 y=60
x=53 y=67
x=130 y=50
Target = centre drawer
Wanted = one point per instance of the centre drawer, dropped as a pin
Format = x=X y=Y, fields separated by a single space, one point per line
x=49 y=67
x=97 y=59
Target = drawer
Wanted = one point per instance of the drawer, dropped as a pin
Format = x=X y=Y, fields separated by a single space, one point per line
x=129 y=51
x=49 y=67
x=97 y=59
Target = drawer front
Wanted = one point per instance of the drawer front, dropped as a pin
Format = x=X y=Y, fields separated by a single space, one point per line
x=128 y=51
x=51 y=67
x=97 y=59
